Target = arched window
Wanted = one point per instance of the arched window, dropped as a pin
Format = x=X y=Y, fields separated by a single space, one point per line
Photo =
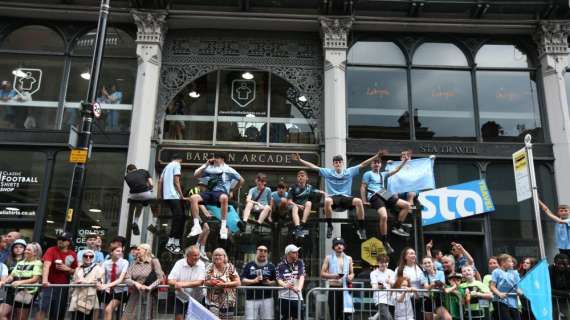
x=442 y=93
x=117 y=82
x=240 y=106
x=31 y=68
x=507 y=94
x=377 y=91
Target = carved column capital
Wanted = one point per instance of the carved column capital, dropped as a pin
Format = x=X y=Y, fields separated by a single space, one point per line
x=334 y=32
x=151 y=31
x=551 y=38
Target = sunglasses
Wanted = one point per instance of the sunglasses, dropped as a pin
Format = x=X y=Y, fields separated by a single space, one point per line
x=88 y=256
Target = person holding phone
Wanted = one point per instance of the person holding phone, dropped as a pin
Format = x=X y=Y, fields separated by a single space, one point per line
x=433 y=279
x=338 y=271
x=260 y=272
x=382 y=279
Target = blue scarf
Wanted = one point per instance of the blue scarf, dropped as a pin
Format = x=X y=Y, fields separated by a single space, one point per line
x=333 y=268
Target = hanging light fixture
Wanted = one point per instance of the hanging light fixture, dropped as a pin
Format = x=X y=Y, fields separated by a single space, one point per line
x=247 y=75
x=194 y=91
x=86 y=75
x=302 y=99
x=18 y=72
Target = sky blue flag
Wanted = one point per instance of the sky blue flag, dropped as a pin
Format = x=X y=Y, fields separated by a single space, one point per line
x=416 y=175
x=197 y=311
x=536 y=287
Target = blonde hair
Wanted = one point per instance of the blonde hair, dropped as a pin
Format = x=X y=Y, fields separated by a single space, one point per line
x=221 y=251
x=148 y=251
x=36 y=249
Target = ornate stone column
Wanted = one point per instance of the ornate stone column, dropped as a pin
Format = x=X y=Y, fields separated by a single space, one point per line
x=151 y=30
x=551 y=39
x=334 y=33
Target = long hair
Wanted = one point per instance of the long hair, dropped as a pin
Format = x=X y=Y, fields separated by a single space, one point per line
x=402 y=261
x=532 y=261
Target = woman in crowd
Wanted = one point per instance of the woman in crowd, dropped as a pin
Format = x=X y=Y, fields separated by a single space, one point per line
x=222 y=280
x=16 y=253
x=433 y=279
x=142 y=277
x=115 y=271
x=26 y=271
x=525 y=267
x=84 y=299
x=408 y=267
x=503 y=283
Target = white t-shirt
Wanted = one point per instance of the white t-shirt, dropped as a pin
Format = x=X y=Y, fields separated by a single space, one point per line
x=387 y=277
x=122 y=266
x=182 y=271
x=414 y=274
x=403 y=310
x=168 y=190
x=3 y=270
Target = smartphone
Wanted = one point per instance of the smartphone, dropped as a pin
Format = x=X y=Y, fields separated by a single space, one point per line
x=340 y=275
x=438 y=283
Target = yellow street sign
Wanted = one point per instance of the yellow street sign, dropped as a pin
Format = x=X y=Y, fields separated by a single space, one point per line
x=69 y=216
x=370 y=249
x=78 y=155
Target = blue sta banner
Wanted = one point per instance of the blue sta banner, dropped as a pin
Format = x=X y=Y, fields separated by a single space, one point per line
x=455 y=202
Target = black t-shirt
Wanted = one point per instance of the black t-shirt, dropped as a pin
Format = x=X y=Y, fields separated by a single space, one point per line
x=250 y=272
x=300 y=195
x=137 y=180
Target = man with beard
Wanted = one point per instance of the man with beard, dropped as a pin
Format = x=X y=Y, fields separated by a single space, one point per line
x=260 y=272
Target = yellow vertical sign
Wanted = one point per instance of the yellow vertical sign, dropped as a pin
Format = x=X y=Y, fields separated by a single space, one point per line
x=69 y=215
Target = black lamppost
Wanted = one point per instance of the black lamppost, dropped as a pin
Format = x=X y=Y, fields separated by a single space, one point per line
x=89 y=110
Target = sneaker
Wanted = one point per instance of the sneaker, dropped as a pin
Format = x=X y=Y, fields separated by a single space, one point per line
x=196 y=230
x=400 y=232
x=407 y=225
x=388 y=247
x=152 y=228
x=298 y=232
x=204 y=256
x=224 y=233
x=329 y=232
x=361 y=234
x=241 y=226
x=135 y=228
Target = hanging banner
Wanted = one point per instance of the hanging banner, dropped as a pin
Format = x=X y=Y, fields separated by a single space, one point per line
x=522 y=179
x=455 y=202
x=416 y=175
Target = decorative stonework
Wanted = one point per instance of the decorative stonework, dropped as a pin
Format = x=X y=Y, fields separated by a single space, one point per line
x=552 y=43
x=335 y=32
x=293 y=57
x=151 y=28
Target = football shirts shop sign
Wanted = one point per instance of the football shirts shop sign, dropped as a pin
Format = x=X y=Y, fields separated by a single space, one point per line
x=11 y=181
x=455 y=202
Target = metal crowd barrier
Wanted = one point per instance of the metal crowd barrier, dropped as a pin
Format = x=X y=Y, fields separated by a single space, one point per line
x=84 y=302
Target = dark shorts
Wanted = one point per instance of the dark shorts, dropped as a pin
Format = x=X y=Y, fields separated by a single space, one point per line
x=341 y=203
x=289 y=309
x=10 y=295
x=211 y=197
x=108 y=297
x=180 y=307
x=376 y=202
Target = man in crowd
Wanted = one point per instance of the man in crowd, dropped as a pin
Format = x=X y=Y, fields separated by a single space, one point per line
x=279 y=199
x=560 y=283
x=299 y=198
x=9 y=238
x=91 y=243
x=337 y=270
x=220 y=178
x=187 y=276
x=374 y=191
x=291 y=276
x=463 y=258
x=338 y=182
x=260 y=272
x=258 y=200
x=170 y=190
x=140 y=189
x=60 y=262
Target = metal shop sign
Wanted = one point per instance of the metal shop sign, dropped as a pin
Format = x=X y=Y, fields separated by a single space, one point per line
x=239 y=158
x=13 y=180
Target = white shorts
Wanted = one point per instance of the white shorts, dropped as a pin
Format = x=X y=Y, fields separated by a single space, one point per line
x=261 y=309
x=143 y=196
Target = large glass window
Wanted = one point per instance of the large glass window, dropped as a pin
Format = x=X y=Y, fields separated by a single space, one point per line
x=117 y=82
x=31 y=69
x=508 y=99
x=231 y=106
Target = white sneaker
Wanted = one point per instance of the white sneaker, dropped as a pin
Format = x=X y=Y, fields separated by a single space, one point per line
x=224 y=233
x=400 y=232
x=204 y=256
x=196 y=230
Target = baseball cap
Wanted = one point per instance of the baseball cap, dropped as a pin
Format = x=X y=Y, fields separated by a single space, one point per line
x=65 y=236
x=338 y=157
x=338 y=241
x=455 y=275
x=21 y=242
x=291 y=248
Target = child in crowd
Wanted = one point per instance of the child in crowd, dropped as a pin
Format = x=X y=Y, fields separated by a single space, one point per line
x=436 y=254
x=433 y=279
x=258 y=201
x=279 y=200
x=503 y=283
x=382 y=278
x=474 y=292
x=403 y=308
x=453 y=294
x=562 y=229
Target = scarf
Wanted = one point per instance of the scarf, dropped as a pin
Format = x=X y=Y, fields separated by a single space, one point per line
x=333 y=268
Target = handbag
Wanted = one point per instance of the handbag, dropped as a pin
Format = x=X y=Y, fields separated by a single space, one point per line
x=23 y=297
x=152 y=277
x=384 y=194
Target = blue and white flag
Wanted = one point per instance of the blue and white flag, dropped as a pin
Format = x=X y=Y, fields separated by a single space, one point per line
x=416 y=175
x=198 y=311
x=536 y=288
x=454 y=202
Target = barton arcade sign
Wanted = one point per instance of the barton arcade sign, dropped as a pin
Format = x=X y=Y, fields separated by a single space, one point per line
x=240 y=158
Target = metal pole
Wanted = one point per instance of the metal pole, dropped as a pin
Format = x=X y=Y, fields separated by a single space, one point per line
x=528 y=147
x=84 y=141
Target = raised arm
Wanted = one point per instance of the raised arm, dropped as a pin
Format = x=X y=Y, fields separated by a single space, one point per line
x=470 y=260
x=367 y=162
x=198 y=172
x=429 y=245
x=402 y=164
x=297 y=157
x=549 y=213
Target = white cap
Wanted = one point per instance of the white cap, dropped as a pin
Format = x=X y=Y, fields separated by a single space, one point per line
x=291 y=248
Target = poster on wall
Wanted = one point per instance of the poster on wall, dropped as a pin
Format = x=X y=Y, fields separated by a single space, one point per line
x=11 y=181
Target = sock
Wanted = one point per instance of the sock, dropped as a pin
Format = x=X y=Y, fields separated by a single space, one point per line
x=196 y=221
x=361 y=224
x=383 y=238
x=397 y=225
x=203 y=249
x=329 y=222
x=223 y=223
x=170 y=241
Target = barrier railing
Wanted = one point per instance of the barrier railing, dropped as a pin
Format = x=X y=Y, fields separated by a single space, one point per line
x=85 y=302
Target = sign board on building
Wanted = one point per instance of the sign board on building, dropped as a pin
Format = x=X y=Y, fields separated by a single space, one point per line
x=522 y=178
x=240 y=158
x=12 y=180
x=78 y=155
x=370 y=249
